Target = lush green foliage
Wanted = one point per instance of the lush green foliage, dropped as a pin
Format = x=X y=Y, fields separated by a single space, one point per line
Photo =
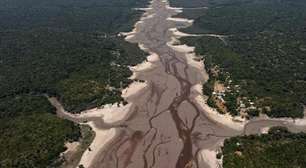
x=44 y=61
x=73 y=159
x=109 y=16
x=63 y=48
x=69 y=49
x=264 y=50
x=11 y=107
x=31 y=135
x=188 y=4
x=278 y=149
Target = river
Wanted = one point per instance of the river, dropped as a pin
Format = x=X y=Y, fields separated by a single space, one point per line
x=166 y=127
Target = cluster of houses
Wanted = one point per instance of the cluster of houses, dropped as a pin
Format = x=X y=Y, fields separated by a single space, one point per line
x=244 y=104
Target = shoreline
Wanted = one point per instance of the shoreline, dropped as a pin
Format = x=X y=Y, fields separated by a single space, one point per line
x=112 y=114
x=103 y=137
x=236 y=123
x=109 y=113
x=200 y=100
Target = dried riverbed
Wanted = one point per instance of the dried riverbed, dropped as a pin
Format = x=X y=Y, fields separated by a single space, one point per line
x=165 y=124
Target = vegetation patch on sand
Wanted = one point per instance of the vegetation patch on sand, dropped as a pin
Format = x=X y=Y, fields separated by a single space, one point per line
x=71 y=159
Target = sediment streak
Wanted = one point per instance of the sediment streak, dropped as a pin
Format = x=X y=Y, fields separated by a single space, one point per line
x=165 y=126
x=169 y=129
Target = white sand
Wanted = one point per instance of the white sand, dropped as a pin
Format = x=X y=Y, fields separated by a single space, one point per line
x=130 y=35
x=134 y=76
x=102 y=137
x=300 y=122
x=296 y=122
x=153 y=57
x=173 y=41
x=190 y=55
x=109 y=114
x=179 y=34
x=178 y=10
x=142 y=9
x=197 y=64
x=133 y=88
x=225 y=119
x=196 y=91
x=143 y=48
x=142 y=67
x=71 y=147
x=183 y=48
x=145 y=65
x=264 y=130
x=209 y=157
x=203 y=7
x=180 y=20
x=112 y=113
x=147 y=17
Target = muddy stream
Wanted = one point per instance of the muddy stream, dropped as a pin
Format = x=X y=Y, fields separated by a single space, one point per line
x=166 y=126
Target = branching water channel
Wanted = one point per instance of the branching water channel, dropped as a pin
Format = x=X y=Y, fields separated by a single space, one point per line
x=166 y=127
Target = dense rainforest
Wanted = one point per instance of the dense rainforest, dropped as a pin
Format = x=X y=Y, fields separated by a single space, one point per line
x=31 y=134
x=277 y=149
x=256 y=50
x=64 y=48
x=257 y=61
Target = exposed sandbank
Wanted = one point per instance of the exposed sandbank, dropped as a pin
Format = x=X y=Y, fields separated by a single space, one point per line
x=102 y=137
x=180 y=20
x=209 y=157
x=114 y=113
x=178 y=34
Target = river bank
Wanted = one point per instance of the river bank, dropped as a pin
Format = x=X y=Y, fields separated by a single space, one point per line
x=166 y=122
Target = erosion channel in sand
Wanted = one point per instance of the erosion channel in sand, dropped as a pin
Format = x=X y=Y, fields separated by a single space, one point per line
x=166 y=123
